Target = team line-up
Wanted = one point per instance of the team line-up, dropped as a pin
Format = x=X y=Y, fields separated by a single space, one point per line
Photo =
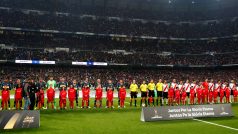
x=164 y=93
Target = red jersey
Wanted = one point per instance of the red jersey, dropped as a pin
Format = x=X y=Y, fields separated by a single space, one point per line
x=18 y=94
x=50 y=93
x=42 y=95
x=85 y=92
x=192 y=92
x=98 y=93
x=222 y=92
x=204 y=92
x=215 y=93
x=71 y=93
x=177 y=94
x=228 y=92
x=235 y=93
x=205 y=85
x=5 y=95
x=110 y=95
x=63 y=95
x=210 y=94
x=171 y=92
x=184 y=95
x=122 y=93
x=199 y=92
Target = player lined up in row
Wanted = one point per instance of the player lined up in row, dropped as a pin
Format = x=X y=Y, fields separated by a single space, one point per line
x=166 y=93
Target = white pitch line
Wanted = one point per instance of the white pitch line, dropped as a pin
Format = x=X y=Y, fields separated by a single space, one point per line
x=216 y=124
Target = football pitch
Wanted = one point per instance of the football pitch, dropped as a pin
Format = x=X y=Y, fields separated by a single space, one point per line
x=124 y=121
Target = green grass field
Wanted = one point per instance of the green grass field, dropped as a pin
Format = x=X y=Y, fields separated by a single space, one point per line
x=122 y=121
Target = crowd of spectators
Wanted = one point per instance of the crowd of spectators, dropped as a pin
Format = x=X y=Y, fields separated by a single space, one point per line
x=98 y=43
x=104 y=25
x=134 y=58
x=111 y=50
x=115 y=74
x=158 y=10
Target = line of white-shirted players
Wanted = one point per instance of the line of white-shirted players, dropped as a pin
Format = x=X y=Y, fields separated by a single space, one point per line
x=186 y=93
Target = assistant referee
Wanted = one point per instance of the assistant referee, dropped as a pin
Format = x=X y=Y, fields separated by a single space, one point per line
x=133 y=89
x=151 y=87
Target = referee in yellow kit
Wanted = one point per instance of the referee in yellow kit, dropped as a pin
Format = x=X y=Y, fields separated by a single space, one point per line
x=159 y=88
x=143 y=89
x=151 y=87
x=133 y=89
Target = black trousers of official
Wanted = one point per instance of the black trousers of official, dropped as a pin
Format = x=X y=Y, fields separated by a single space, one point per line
x=33 y=102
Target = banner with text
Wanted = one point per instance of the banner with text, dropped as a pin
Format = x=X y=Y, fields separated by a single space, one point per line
x=185 y=112
x=19 y=119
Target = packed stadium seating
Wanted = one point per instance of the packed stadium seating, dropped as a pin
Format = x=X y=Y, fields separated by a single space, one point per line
x=115 y=74
x=182 y=38
x=105 y=25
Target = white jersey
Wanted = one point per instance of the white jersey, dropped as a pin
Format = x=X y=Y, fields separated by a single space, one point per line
x=173 y=85
x=187 y=87
x=180 y=86
x=165 y=87
x=194 y=86
x=232 y=86
x=217 y=87
x=211 y=86
x=223 y=86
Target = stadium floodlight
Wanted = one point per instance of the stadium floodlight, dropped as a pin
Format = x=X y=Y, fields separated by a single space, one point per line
x=170 y=1
x=193 y=2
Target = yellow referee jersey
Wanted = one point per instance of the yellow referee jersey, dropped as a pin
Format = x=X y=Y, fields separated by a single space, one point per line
x=133 y=87
x=159 y=86
x=143 y=87
x=151 y=86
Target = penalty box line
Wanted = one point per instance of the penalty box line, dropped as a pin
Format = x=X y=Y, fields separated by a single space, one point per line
x=207 y=122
